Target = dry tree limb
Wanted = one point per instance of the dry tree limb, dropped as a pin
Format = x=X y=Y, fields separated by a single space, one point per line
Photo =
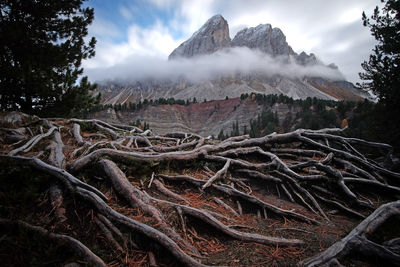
x=305 y=192
x=220 y=174
x=126 y=127
x=299 y=152
x=200 y=143
x=340 y=206
x=225 y=206
x=99 y=122
x=151 y=180
x=130 y=141
x=146 y=133
x=239 y=207
x=56 y=198
x=96 y=198
x=183 y=146
x=63 y=176
x=124 y=188
x=16 y=136
x=335 y=174
x=108 y=235
x=294 y=229
x=124 y=156
x=206 y=217
x=74 y=244
x=56 y=156
x=111 y=132
x=366 y=164
x=163 y=138
x=177 y=135
x=319 y=135
x=257 y=174
x=102 y=126
x=116 y=231
x=183 y=223
x=76 y=131
x=136 y=226
x=275 y=162
x=232 y=192
x=393 y=245
x=355 y=169
x=138 y=199
x=182 y=155
x=237 y=138
x=356 y=240
x=160 y=187
x=375 y=184
x=299 y=196
x=326 y=130
x=290 y=197
x=32 y=142
x=152 y=259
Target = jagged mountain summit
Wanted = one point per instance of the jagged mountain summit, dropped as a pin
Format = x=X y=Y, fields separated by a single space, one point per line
x=265 y=38
x=212 y=36
x=264 y=42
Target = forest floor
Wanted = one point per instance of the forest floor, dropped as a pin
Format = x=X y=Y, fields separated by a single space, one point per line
x=130 y=198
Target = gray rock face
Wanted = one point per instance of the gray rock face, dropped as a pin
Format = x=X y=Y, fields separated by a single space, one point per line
x=265 y=38
x=307 y=60
x=212 y=36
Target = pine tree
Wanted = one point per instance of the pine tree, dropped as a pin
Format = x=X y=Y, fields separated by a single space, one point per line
x=382 y=71
x=245 y=130
x=221 y=135
x=42 y=46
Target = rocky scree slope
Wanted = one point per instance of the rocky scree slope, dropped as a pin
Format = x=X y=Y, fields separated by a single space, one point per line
x=211 y=117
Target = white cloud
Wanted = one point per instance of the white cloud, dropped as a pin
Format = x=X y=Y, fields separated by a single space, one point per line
x=331 y=29
x=104 y=29
x=239 y=60
x=125 y=12
x=151 y=42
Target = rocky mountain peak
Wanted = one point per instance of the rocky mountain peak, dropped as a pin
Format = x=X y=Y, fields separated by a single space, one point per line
x=265 y=38
x=212 y=36
x=306 y=60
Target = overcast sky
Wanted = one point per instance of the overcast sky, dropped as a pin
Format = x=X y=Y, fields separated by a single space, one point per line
x=130 y=29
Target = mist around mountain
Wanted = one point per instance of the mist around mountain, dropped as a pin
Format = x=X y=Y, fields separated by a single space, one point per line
x=210 y=65
x=226 y=62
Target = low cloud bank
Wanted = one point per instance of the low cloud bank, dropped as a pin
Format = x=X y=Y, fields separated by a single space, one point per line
x=222 y=63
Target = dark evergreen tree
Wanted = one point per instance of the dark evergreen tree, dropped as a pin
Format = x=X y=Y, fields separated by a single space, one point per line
x=221 y=135
x=382 y=71
x=42 y=46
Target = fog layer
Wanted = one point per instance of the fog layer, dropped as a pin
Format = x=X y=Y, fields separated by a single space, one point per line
x=222 y=63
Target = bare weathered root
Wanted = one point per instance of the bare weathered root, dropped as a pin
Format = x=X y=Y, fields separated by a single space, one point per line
x=357 y=240
x=184 y=179
x=79 y=248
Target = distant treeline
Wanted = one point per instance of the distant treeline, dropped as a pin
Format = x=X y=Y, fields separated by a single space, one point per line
x=311 y=113
x=144 y=103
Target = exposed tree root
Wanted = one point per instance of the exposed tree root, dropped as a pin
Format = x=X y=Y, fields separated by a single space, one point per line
x=152 y=193
x=357 y=240
x=74 y=244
